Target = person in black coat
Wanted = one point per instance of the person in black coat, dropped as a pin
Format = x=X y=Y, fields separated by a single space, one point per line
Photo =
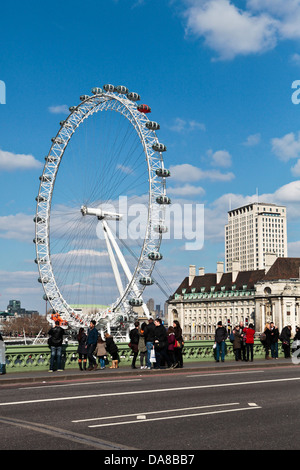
x=161 y=343
x=55 y=342
x=266 y=342
x=112 y=349
x=134 y=341
x=179 y=338
x=82 y=349
x=274 y=340
x=285 y=338
x=220 y=338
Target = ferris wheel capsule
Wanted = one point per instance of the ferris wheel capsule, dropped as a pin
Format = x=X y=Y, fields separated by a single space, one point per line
x=65 y=124
x=97 y=91
x=160 y=228
x=109 y=87
x=132 y=96
x=47 y=297
x=163 y=200
x=51 y=159
x=57 y=140
x=72 y=108
x=144 y=108
x=40 y=260
x=146 y=281
x=40 y=199
x=39 y=241
x=163 y=172
x=159 y=147
x=39 y=220
x=84 y=97
x=152 y=125
x=122 y=89
x=155 y=256
x=45 y=179
x=136 y=302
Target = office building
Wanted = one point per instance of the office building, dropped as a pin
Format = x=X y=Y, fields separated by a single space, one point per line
x=252 y=232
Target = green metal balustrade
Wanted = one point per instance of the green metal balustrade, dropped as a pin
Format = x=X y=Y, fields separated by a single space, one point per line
x=37 y=357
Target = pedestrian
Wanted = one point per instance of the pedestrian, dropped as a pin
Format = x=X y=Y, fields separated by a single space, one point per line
x=236 y=344
x=285 y=337
x=161 y=344
x=82 y=349
x=55 y=341
x=180 y=343
x=112 y=349
x=149 y=339
x=274 y=340
x=2 y=356
x=266 y=340
x=220 y=338
x=249 y=335
x=142 y=346
x=100 y=352
x=296 y=341
x=134 y=342
x=243 y=341
x=91 y=341
x=171 y=346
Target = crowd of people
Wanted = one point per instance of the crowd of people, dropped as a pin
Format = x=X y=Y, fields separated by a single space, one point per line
x=270 y=339
x=95 y=350
x=242 y=339
x=156 y=346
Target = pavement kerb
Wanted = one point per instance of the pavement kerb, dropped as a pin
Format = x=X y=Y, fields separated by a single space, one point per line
x=75 y=374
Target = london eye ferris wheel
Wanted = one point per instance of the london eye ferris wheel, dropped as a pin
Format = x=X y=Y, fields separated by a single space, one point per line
x=100 y=212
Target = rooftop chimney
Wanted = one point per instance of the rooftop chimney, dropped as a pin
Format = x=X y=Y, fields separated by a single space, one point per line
x=201 y=272
x=192 y=273
x=270 y=259
x=235 y=269
x=220 y=270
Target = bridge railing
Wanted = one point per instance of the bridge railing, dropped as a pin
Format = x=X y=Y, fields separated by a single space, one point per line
x=37 y=357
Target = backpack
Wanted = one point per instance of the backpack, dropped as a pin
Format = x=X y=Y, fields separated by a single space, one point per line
x=231 y=337
x=262 y=336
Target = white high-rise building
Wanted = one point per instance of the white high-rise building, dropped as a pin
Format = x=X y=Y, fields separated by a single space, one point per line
x=252 y=231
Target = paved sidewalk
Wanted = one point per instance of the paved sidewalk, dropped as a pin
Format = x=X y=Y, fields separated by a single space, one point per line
x=75 y=374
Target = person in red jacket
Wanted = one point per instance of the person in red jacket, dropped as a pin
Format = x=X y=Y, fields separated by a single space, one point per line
x=250 y=331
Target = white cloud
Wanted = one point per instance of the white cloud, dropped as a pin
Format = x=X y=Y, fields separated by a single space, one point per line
x=252 y=140
x=287 y=147
x=13 y=161
x=189 y=173
x=231 y=31
x=287 y=14
x=125 y=169
x=221 y=158
x=295 y=59
x=181 y=125
x=296 y=169
x=60 y=109
x=186 y=190
x=78 y=258
x=288 y=193
x=17 y=227
x=216 y=212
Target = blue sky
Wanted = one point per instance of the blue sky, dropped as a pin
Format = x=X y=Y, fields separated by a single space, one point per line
x=218 y=76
